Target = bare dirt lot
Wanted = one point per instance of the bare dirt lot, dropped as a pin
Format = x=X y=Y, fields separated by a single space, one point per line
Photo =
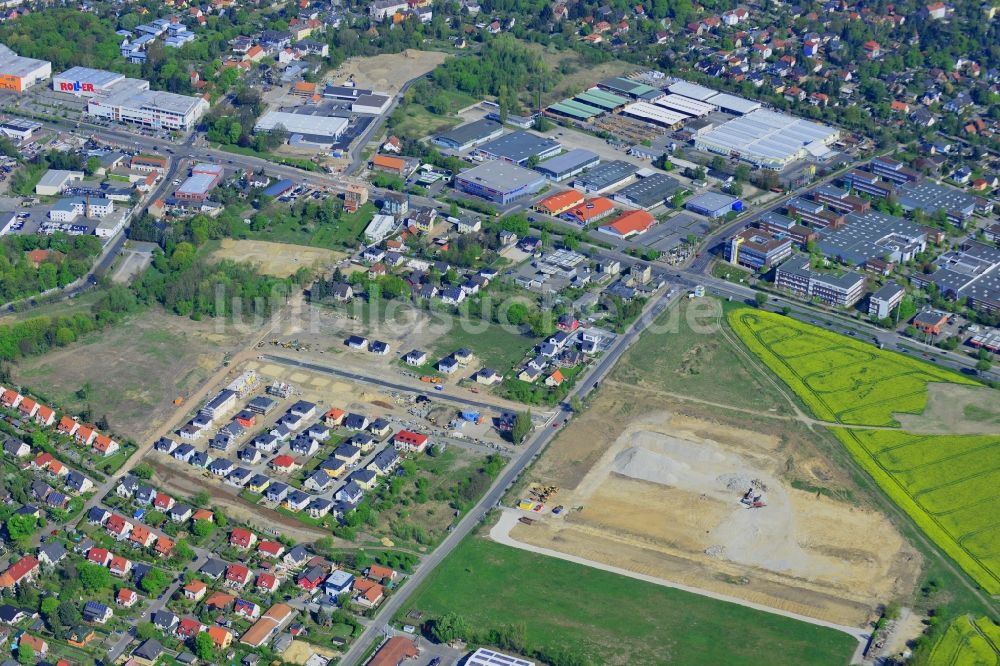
x=389 y=71
x=300 y=651
x=132 y=372
x=954 y=409
x=277 y=259
x=661 y=494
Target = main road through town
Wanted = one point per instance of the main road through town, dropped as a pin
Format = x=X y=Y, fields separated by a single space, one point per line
x=530 y=450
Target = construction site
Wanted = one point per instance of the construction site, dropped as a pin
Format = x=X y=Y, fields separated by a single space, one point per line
x=703 y=505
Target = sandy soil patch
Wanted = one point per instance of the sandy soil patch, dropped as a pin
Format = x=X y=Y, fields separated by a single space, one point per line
x=954 y=409
x=325 y=390
x=663 y=500
x=277 y=259
x=388 y=72
x=300 y=651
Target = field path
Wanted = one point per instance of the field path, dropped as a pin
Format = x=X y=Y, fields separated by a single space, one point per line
x=807 y=420
x=500 y=533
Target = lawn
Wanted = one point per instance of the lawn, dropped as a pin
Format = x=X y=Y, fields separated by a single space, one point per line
x=683 y=353
x=496 y=346
x=946 y=483
x=345 y=232
x=415 y=121
x=604 y=618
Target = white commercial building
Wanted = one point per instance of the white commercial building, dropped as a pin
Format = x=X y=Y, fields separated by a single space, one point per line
x=692 y=107
x=110 y=225
x=19 y=128
x=379 y=228
x=655 y=114
x=18 y=73
x=55 y=181
x=768 y=139
x=67 y=210
x=149 y=108
x=86 y=82
x=375 y=104
x=114 y=97
x=488 y=657
x=311 y=129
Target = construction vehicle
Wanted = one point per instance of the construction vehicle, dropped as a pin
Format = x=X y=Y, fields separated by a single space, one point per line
x=544 y=493
x=751 y=501
x=179 y=400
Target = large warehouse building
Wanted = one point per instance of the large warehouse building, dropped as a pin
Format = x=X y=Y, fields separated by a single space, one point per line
x=500 y=181
x=18 y=73
x=568 y=164
x=519 y=148
x=469 y=135
x=87 y=82
x=150 y=108
x=768 y=139
x=320 y=130
x=114 y=97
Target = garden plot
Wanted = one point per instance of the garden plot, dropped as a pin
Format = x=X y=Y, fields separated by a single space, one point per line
x=946 y=483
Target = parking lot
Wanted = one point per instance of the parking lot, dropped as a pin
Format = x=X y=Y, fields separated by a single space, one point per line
x=668 y=234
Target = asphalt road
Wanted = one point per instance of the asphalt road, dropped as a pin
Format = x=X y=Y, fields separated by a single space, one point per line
x=116 y=650
x=531 y=450
x=442 y=396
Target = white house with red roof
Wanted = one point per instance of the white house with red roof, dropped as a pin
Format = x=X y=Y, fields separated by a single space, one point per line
x=242 y=538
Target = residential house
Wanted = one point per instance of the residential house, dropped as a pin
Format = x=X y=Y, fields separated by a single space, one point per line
x=195 y=590
x=51 y=553
x=94 y=611
x=78 y=483
x=120 y=566
x=351 y=493
x=311 y=578
x=180 y=513
x=368 y=593
x=410 y=442
x=126 y=598
x=237 y=576
x=296 y=557
x=242 y=538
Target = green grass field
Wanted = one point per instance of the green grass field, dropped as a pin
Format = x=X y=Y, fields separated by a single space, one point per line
x=681 y=357
x=946 y=483
x=345 y=232
x=495 y=346
x=605 y=618
x=967 y=643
